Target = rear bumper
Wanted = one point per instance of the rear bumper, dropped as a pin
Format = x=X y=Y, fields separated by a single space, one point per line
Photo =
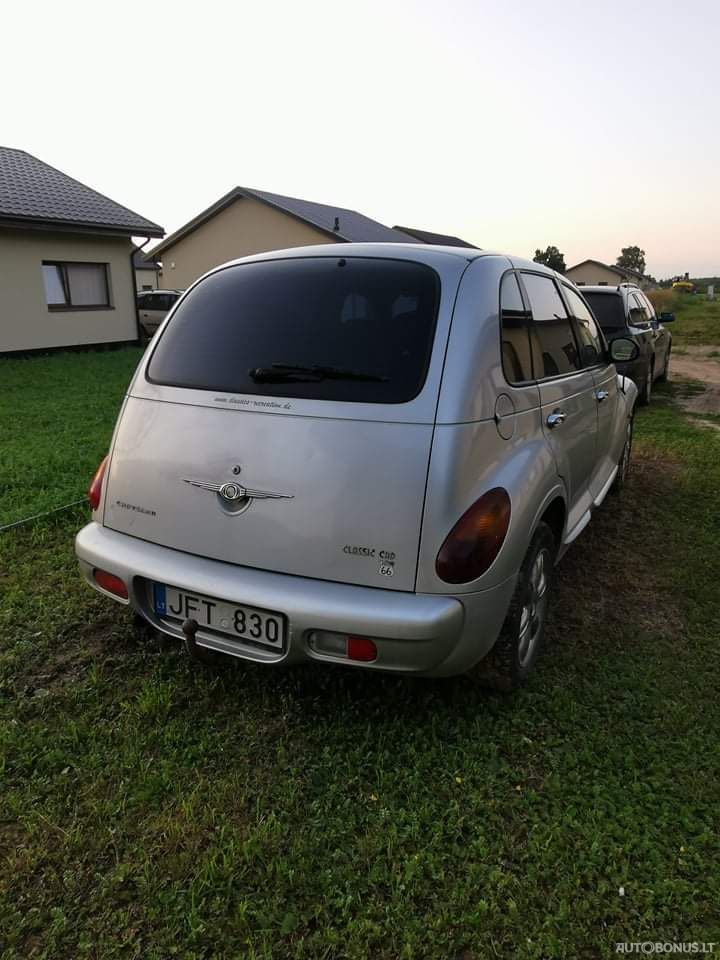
x=415 y=633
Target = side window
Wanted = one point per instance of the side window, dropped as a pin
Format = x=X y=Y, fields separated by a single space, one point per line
x=515 y=335
x=554 y=348
x=649 y=307
x=591 y=345
x=638 y=314
x=142 y=302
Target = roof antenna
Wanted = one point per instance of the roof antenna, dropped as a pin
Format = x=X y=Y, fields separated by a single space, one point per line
x=336 y=226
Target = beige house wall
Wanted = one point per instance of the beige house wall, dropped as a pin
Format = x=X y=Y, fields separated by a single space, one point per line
x=247 y=226
x=146 y=278
x=594 y=274
x=26 y=323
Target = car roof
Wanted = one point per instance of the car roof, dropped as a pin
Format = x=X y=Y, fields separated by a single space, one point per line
x=602 y=288
x=418 y=252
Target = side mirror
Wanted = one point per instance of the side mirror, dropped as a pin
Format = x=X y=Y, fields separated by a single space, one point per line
x=623 y=350
x=666 y=317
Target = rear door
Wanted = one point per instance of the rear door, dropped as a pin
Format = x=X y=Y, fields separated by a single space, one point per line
x=567 y=392
x=594 y=357
x=284 y=418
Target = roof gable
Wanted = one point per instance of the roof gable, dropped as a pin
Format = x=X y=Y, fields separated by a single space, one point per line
x=620 y=271
x=352 y=227
x=33 y=192
x=440 y=239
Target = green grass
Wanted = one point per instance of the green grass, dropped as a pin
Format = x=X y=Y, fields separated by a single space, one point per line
x=151 y=810
x=57 y=414
x=697 y=321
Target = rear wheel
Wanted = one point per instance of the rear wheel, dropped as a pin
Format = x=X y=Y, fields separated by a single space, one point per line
x=513 y=657
x=624 y=462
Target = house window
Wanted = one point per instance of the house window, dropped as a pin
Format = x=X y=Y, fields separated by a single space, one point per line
x=76 y=286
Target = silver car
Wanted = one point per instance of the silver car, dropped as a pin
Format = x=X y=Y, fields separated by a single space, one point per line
x=367 y=454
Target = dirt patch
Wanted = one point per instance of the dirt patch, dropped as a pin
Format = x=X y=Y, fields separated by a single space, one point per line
x=704 y=370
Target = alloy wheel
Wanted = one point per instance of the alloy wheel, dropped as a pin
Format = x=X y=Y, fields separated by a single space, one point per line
x=532 y=617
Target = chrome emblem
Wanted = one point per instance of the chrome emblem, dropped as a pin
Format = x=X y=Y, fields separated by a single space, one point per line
x=233 y=492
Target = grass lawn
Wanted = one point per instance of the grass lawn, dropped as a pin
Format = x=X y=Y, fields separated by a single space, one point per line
x=149 y=810
x=697 y=319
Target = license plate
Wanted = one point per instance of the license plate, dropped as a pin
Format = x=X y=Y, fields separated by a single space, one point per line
x=235 y=620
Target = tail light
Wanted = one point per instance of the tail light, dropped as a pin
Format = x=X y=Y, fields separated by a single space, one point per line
x=475 y=540
x=111 y=583
x=95 y=488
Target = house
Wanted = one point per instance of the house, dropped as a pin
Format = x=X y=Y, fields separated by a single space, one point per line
x=595 y=272
x=146 y=269
x=247 y=221
x=442 y=239
x=66 y=272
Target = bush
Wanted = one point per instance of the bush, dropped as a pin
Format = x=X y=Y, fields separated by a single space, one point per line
x=664 y=301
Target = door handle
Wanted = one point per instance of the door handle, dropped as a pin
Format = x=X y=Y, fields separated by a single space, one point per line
x=602 y=395
x=555 y=419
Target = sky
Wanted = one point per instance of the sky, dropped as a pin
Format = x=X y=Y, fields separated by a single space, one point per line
x=587 y=125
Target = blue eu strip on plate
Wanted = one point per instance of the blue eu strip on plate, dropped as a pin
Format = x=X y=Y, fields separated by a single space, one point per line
x=159 y=598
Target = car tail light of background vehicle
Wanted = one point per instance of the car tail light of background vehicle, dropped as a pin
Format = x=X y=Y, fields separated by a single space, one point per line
x=475 y=540
x=95 y=488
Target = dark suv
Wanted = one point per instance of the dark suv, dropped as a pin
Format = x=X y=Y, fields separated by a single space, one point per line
x=625 y=311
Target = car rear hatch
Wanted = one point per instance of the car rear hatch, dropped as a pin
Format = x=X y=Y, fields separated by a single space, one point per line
x=283 y=419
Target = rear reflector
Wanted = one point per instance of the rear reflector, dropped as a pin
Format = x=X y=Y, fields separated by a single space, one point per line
x=95 y=488
x=111 y=583
x=362 y=649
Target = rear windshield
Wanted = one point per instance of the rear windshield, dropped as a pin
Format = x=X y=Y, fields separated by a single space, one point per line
x=333 y=328
x=608 y=309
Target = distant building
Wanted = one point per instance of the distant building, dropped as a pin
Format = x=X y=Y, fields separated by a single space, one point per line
x=66 y=276
x=147 y=270
x=595 y=272
x=246 y=221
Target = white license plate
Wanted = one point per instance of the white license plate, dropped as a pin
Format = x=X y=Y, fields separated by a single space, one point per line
x=235 y=620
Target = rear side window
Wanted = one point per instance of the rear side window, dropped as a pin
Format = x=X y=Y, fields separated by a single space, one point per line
x=592 y=350
x=322 y=328
x=608 y=310
x=554 y=341
x=516 y=357
x=639 y=313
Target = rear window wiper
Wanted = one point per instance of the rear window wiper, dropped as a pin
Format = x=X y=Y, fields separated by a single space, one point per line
x=310 y=373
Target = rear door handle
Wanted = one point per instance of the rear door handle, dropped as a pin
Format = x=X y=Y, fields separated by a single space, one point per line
x=602 y=395
x=555 y=419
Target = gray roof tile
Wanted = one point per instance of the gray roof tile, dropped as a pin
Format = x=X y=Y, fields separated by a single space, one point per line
x=31 y=190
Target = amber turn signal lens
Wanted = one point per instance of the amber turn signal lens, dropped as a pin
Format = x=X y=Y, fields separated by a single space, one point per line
x=475 y=540
x=95 y=488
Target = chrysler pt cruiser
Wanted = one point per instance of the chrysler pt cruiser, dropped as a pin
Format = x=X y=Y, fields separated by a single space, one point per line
x=367 y=454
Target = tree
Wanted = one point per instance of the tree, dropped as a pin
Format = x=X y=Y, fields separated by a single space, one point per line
x=552 y=258
x=632 y=258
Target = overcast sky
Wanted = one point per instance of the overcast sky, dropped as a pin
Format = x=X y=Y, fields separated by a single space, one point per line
x=588 y=125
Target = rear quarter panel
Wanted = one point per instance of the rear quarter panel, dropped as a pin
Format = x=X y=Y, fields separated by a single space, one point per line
x=469 y=455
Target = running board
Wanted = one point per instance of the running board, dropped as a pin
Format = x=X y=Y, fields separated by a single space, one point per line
x=577 y=529
x=604 y=492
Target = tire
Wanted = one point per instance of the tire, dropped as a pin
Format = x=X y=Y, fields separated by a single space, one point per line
x=511 y=660
x=664 y=375
x=646 y=392
x=625 y=457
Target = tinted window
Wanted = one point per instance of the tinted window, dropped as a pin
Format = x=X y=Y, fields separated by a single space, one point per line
x=555 y=348
x=638 y=312
x=591 y=345
x=516 y=360
x=608 y=310
x=370 y=323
